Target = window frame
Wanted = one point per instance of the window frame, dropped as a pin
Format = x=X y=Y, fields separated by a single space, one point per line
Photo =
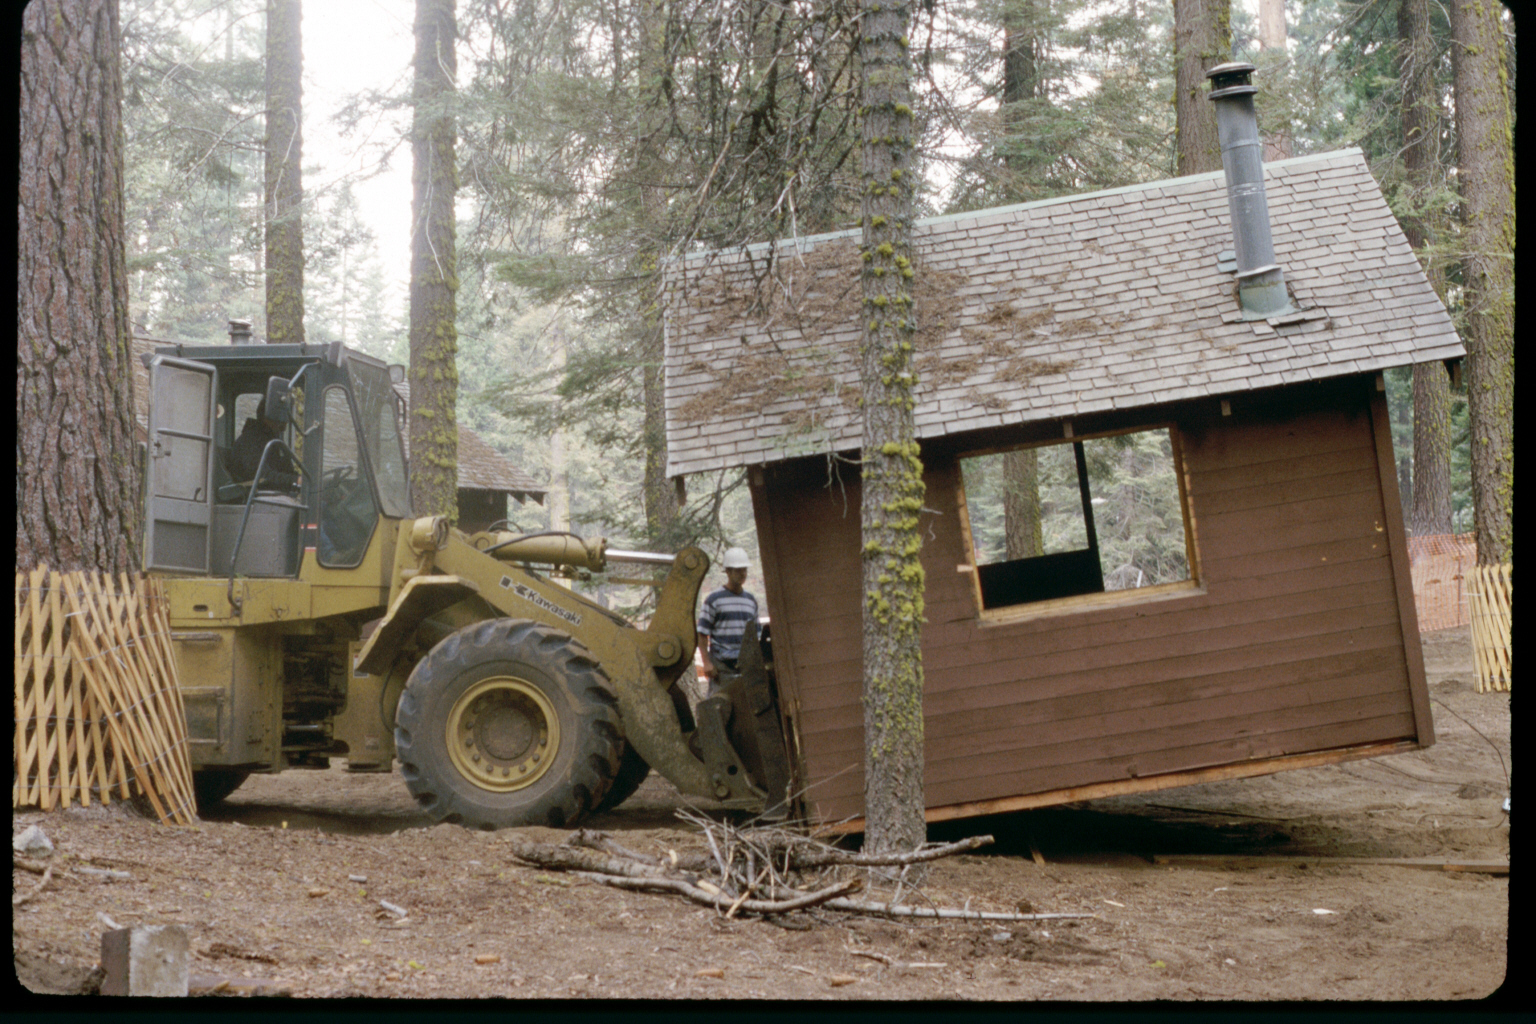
x=1192 y=586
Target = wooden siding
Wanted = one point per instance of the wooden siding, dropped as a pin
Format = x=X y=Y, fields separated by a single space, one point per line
x=1292 y=642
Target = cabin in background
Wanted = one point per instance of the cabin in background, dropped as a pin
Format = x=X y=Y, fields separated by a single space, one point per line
x=1278 y=629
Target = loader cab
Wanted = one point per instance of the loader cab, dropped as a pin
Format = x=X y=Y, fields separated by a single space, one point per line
x=258 y=453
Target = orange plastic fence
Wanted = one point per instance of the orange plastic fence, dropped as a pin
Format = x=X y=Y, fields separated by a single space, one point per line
x=1441 y=563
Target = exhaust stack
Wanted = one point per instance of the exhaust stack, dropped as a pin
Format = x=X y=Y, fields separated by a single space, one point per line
x=240 y=332
x=1260 y=280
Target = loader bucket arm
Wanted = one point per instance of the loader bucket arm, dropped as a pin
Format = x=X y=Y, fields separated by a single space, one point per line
x=641 y=664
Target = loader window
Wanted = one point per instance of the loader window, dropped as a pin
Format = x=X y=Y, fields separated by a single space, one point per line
x=378 y=410
x=1084 y=517
x=347 y=510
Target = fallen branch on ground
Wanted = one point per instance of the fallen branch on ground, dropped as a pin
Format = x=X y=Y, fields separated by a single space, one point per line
x=755 y=871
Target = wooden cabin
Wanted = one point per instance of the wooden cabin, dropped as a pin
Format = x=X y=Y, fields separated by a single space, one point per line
x=1278 y=630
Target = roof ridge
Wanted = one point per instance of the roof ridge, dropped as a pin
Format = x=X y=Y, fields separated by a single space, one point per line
x=799 y=241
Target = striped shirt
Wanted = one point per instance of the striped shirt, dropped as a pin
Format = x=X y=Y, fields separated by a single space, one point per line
x=724 y=619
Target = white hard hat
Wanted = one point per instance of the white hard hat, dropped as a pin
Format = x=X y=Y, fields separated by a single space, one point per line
x=735 y=558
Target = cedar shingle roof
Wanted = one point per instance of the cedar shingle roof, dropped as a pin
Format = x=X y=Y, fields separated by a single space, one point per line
x=1109 y=300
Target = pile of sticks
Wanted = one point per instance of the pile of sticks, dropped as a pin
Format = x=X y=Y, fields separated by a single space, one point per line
x=97 y=704
x=762 y=872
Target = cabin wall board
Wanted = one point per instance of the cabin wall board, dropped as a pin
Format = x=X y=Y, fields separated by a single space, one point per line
x=1291 y=640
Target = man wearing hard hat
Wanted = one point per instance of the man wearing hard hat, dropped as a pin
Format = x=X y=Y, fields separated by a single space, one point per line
x=724 y=617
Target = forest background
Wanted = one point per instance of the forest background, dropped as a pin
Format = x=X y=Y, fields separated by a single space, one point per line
x=596 y=139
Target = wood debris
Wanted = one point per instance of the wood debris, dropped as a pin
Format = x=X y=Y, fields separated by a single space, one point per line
x=758 y=871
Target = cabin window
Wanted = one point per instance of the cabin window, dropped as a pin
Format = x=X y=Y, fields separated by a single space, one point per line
x=1104 y=514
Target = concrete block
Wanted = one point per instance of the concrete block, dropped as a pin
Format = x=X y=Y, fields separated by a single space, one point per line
x=150 y=960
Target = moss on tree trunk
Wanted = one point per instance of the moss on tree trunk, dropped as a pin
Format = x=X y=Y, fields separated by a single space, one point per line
x=892 y=471
x=1486 y=173
x=284 y=181
x=434 y=374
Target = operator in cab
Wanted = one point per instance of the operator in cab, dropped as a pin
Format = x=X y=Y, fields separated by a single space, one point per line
x=280 y=474
x=723 y=619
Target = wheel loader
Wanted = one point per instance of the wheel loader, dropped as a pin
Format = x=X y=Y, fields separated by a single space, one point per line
x=314 y=616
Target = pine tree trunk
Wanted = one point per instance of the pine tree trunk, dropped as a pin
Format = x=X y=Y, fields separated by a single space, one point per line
x=1485 y=171
x=659 y=497
x=77 y=467
x=1421 y=159
x=434 y=374
x=1202 y=38
x=284 y=181
x=1021 y=82
x=661 y=504
x=1022 y=530
x=1277 y=137
x=1431 y=450
x=892 y=471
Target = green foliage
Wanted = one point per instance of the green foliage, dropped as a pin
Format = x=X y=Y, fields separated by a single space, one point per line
x=194 y=89
x=1098 y=113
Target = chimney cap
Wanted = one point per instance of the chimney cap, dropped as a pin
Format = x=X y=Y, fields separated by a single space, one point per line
x=1231 y=79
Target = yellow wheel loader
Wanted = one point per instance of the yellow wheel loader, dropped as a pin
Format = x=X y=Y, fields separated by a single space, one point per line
x=314 y=616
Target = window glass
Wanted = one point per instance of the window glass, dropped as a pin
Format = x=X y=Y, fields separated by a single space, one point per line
x=378 y=409
x=347 y=510
x=1103 y=514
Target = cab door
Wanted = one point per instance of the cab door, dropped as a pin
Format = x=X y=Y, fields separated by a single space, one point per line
x=179 y=476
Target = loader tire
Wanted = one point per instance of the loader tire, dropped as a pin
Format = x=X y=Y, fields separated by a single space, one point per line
x=632 y=772
x=507 y=723
x=212 y=785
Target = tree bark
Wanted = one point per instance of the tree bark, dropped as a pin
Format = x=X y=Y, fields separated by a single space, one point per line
x=659 y=497
x=1021 y=82
x=1421 y=159
x=77 y=466
x=1023 y=533
x=434 y=373
x=1277 y=138
x=284 y=180
x=661 y=502
x=1202 y=38
x=1485 y=171
x=892 y=471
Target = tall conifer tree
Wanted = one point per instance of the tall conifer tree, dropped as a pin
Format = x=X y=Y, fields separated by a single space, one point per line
x=892 y=472
x=1485 y=162
x=1202 y=31
x=284 y=181
x=434 y=374
x=77 y=478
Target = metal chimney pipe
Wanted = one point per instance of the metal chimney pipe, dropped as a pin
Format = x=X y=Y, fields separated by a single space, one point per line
x=240 y=332
x=1260 y=280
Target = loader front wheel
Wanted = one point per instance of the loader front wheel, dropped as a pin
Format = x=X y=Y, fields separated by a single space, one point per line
x=508 y=723
x=632 y=772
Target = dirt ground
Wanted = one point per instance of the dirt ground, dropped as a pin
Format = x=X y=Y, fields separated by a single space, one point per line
x=282 y=887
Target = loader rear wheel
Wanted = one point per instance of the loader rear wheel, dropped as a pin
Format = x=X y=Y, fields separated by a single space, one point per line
x=632 y=772
x=212 y=785
x=506 y=723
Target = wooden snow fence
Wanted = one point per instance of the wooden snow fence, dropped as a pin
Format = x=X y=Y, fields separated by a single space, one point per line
x=97 y=705
x=1490 y=597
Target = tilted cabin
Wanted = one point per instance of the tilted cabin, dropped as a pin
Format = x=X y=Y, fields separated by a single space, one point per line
x=1278 y=629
